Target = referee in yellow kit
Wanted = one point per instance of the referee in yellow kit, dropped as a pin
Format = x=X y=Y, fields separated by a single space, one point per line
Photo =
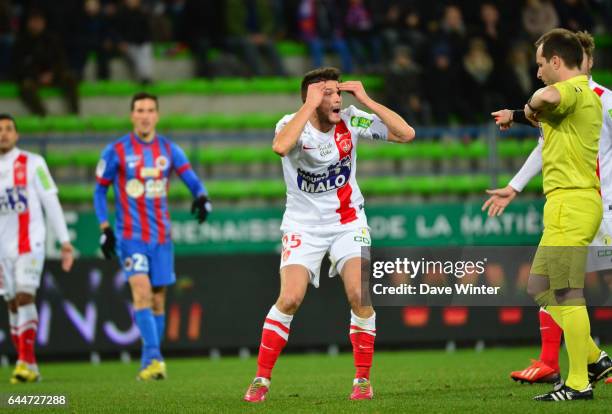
x=570 y=116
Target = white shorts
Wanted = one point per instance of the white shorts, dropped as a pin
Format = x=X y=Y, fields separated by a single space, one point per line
x=21 y=274
x=307 y=248
x=600 y=250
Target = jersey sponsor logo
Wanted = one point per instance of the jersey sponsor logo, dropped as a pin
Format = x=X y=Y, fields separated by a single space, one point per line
x=162 y=162
x=45 y=181
x=337 y=176
x=360 y=122
x=363 y=236
x=134 y=188
x=149 y=172
x=14 y=200
x=156 y=188
x=100 y=168
x=326 y=149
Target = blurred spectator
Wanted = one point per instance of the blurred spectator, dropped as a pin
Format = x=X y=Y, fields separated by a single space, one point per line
x=202 y=28
x=453 y=33
x=412 y=34
x=321 y=28
x=575 y=15
x=442 y=90
x=6 y=37
x=93 y=36
x=133 y=28
x=477 y=80
x=390 y=29
x=403 y=88
x=493 y=33
x=251 y=31
x=519 y=77
x=539 y=16
x=362 y=38
x=38 y=60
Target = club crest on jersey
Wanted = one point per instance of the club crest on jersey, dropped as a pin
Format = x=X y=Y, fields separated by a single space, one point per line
x=337 y=176
x=162 y=162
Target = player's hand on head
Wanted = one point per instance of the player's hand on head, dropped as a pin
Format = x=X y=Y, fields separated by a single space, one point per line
x=498 y=200
x=108 y=241
x=315 y=93
x=356 y=89
x=201 y=208
x=503 y=118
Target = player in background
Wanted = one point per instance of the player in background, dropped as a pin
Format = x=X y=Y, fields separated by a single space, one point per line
x=546 y=368
x=324 y=213
x=26 y=187
x=138 y=165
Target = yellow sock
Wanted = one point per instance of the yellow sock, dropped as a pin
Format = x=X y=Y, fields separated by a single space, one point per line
x=577 y=331
x=594 y=351
x=556 y=313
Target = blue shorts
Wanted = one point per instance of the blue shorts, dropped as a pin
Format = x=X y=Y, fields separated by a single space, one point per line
x=152 y=259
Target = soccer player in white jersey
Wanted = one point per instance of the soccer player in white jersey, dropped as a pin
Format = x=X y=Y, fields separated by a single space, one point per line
x=546 y=367
x=25 y=186
x=324 y=213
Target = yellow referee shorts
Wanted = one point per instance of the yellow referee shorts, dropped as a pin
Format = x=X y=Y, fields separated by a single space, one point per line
x=571 y=221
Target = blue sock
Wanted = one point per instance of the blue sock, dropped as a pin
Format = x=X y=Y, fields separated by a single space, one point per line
x=160 y=322
x=148 y=331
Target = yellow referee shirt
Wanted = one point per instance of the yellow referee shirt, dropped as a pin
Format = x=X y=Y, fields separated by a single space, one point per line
x=571 y=137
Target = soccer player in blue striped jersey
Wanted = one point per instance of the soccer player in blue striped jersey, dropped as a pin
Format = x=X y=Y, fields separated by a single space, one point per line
x=138 y=165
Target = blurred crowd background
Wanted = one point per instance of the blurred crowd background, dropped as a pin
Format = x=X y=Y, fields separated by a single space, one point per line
x=440 y=59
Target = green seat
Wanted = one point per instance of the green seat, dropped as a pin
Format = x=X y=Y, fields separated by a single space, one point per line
x=477 y=150
x=509 y=149
x=58 y=159
x=87 y=159
x=212 y=155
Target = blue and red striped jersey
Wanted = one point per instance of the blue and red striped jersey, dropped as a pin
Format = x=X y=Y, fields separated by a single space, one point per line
x=140 y=172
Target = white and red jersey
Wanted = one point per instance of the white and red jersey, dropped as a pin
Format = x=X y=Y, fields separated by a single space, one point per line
x=25 y=183
x=320 y=171
x=604 y=159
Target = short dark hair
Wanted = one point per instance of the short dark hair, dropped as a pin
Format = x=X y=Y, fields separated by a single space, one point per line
x=587 y=42
x=318 y=75
x=562 y=43
x=4 y=117
x=143 y=95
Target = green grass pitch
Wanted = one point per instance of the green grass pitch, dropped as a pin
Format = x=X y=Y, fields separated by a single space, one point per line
x=407 y=381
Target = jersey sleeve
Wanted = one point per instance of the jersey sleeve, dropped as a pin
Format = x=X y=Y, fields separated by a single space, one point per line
x=47 y=191
x=43 y=181
x=366 y=125
x=569 y=95
x=107 y=167
x=181 y=165
x=105 y=174
x=531 y=168
x=279 y=127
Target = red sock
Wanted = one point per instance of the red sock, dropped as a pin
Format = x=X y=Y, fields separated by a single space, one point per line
x=26 y=330
x=273 y=339
x=363 y=334
x=27 y=338
x=551 y=340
